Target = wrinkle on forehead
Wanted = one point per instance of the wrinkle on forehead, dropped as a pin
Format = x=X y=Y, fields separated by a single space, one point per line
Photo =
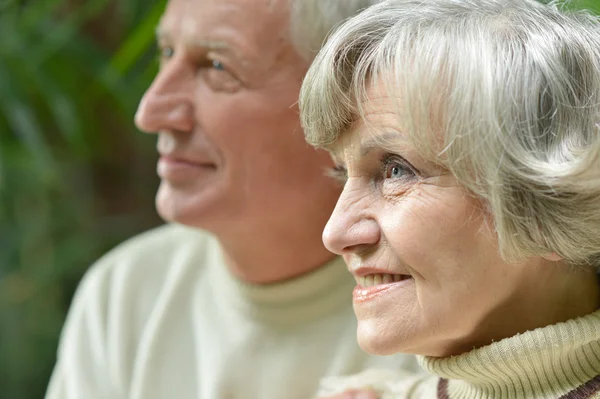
x=254 y=31
x=378 y=122
x=377 y=131
x=163 y=34
x=209 y=44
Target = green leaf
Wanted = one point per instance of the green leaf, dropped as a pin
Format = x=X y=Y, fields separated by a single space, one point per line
x=138 y=42
x=23 y=123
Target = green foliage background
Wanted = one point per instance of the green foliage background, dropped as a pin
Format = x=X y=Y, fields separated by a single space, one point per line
x=75 y=176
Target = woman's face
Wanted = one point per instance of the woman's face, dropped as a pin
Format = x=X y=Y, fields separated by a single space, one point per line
x=429 y=276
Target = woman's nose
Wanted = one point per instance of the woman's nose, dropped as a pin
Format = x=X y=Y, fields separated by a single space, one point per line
x=350 y=228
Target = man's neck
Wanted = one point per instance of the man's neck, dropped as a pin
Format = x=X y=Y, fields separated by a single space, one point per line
x=266 y=257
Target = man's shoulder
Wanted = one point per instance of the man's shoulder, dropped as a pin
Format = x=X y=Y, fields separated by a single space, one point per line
x=130 y=286
x=147 y=261
x=158 y=247
x=124 y=286
x=162 y=240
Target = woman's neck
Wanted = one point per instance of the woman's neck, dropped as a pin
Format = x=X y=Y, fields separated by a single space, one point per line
x=549 y=298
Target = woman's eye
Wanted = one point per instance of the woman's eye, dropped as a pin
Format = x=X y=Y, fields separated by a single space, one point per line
x=395 y=169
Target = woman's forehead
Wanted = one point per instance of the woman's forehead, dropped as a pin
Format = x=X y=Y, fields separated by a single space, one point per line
x=377 y=124
x=364 y=137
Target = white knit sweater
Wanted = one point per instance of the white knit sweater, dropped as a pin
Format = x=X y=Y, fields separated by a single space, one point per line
x=558 y=361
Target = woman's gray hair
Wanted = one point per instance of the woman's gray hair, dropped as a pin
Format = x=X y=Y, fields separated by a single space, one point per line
x=504 y=94
x=312 y=20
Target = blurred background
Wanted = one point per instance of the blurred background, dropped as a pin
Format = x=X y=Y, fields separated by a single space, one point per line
x=76 y=178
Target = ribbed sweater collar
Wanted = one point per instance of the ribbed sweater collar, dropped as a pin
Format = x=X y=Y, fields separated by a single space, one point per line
x=550 y=361
x=314 y=295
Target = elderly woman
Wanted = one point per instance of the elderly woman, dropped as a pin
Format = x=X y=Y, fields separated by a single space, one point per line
x=467 y=136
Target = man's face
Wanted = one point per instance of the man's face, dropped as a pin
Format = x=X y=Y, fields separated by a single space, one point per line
x=224 y=107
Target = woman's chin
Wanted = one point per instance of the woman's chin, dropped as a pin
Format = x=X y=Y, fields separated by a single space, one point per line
x=372 y=339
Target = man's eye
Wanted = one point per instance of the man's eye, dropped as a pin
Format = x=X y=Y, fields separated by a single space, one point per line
x=218 y=65
x=218 y=76
x=166 y=52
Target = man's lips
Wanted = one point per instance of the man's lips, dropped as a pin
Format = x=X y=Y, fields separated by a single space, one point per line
x=171 y=159
x=182 y=169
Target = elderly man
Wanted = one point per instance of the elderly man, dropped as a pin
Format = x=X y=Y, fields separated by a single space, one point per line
x=236 y=297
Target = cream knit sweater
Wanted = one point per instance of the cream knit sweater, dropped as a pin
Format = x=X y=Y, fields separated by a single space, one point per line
x=558 y=361
x=160 y=317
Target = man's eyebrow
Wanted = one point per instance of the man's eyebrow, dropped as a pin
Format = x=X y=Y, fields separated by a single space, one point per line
x=215 y=45
x=208 y=44
x=204 y=44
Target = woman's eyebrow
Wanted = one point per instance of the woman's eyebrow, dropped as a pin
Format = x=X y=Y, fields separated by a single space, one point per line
x=376 y=142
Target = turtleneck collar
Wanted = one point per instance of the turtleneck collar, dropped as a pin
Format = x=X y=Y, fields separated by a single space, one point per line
x=309 y=295
x=550 y=362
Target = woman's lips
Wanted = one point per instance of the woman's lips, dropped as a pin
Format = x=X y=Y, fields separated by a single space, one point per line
x=379 y=278
x=370 y=286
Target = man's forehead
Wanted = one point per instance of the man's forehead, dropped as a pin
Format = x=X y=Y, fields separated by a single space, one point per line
x=191 y=16
x=192 y=38
x=248 y=29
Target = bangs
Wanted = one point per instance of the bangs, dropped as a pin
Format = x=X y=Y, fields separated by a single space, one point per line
x=407 y=60
x=502 y=94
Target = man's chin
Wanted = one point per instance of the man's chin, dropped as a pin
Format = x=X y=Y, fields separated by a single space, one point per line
x=192 y=208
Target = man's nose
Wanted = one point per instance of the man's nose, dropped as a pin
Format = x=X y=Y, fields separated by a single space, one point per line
x=168 y=104
x=351 y=228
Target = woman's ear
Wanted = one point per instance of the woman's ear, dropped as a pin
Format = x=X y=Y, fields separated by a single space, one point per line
x=553 y=256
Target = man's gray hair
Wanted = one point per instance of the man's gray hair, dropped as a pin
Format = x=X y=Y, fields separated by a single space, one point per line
x=312 y=20
x=503 y=94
